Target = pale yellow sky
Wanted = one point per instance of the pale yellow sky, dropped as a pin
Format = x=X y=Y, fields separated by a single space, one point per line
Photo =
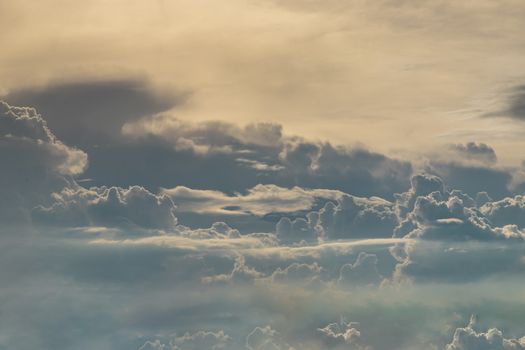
x=398 y=76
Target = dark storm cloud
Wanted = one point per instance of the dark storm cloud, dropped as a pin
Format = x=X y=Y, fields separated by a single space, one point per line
x=83 y=112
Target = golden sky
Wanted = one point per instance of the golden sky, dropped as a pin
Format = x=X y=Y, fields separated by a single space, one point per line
x=398 y=76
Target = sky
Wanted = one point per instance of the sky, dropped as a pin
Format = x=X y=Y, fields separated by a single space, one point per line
x=262 y=175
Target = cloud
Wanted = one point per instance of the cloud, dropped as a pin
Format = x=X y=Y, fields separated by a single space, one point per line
x=204 y=137
x=228 y=158
x=87 y=113
x=299 y=230
x=446 y=216
x=115 y=261
x=241 y=273
x=459 y=262
x=471 y=167
x=467 y=338
x=259 y=200
x=265 y=338
x=256 y=153
x=506 y=211
x=34 y=162
x=350 y=218
x=473 y=178
x=344 y=333
x=355 y=217
x=475 y=151
x=134 y=207
x=514 y=104
x=516 y=107
x=153 y=345
x=298 y=274
x=201 y=340
x=357 y=171
x=362 y=272
x=450 y=231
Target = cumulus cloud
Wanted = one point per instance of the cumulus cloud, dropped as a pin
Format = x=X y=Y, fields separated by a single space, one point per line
x=243 y=156
x=299 y=230
x=113 y=206
x=115 y=261
x=298 y=274
x=265 y=338
x=473 y=178
x=34 y=162
x=344 y=333
x=451 y=220
x=506 y=211
x=471 y=167
x=353 y=170
x=429 y=211
x=467 y=338
x=349 y=217
x=241 y=273
x=450 y=230
x=362 y=272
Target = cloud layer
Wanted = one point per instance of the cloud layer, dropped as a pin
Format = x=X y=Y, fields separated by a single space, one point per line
x=272 y=266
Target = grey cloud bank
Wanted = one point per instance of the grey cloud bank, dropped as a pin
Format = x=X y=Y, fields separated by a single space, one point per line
x=399 y=257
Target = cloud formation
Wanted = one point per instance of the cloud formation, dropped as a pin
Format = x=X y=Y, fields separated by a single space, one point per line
x=111 y=207
x=259 y=200
x=121 y=263
x=87 y=113
x=467 y=338
x=34 y=162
